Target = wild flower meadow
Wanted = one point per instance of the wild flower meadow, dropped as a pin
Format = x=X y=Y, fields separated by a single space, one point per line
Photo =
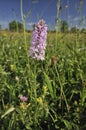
x=42 y=80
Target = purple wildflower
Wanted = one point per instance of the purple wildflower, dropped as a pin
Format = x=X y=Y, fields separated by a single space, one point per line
x=38 y=43
x=23 y=98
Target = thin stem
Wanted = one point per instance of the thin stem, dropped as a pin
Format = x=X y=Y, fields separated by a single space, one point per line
x=57 y=20
x=23 y=21
x=35 y=82
x=21 y=9
x=61 y=89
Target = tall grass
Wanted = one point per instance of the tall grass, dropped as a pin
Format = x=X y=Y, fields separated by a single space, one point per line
x=55 y=88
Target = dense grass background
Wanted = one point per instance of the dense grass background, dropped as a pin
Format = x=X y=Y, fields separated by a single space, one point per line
x=55 y=88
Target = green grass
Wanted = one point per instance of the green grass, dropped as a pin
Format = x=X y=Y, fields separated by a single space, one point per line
x=55 y=88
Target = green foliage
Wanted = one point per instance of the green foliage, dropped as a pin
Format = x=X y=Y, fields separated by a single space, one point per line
x=83 y=30
x=55 y=88
x=64 y=26
x=49 y=85
x=15 y=26
x=73 y=29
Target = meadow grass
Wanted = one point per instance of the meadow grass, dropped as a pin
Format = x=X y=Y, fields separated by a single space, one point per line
x=55 y=88
x=43 y=95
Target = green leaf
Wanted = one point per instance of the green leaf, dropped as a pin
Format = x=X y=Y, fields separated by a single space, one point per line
x=49 y=85
x=8 y=112
x=68 y=124
x=83 y=96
